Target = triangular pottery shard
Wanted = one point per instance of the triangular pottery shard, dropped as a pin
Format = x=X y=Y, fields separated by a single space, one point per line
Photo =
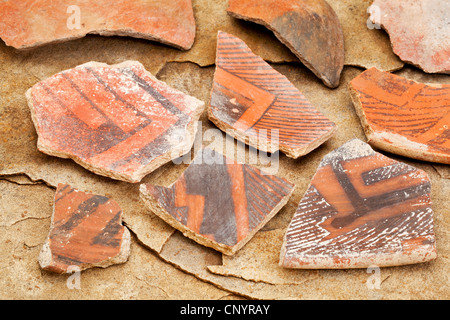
x=118 y=121
x=217 y=202
x=419 y=31
x=402 y=116
x=309 y=28
x=259 y=106
x=27 y=24
x=361 y=209
x=86 y=231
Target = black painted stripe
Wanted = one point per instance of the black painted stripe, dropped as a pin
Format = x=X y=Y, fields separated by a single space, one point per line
x=83 y=210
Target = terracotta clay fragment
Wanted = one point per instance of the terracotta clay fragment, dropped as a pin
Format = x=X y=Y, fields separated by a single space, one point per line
x=260 y=105
x=361 y=209
x=118 y=121
x=419 y=31
x=29 y=23
x=309 y=28
x=402 y=116
x=86 y=231
x=217 y=202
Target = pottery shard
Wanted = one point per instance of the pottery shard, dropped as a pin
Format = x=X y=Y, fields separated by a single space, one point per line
x=118 y=121
x=402 y=116
x=361 y=209
x=29 y=23
x=419 y=31
x=217 y=202
x=309 y=28
x=259 y=106
x=86 y=231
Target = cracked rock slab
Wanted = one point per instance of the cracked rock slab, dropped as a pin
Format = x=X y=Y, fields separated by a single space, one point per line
x=419 y=31
x=117 y=121
x=86 y=231
x=261 y=107
x=365 y=45
x=309 y=28
x=402 y=116
x=361 y=209
x=217 y=202
x=29 y=23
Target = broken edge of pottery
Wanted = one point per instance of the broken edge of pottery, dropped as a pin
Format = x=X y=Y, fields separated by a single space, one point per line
x=361 y=209
x=170 y=22
x=402 y=116
x=259 y=106
x=309 y=28
x=223 y=216
x=117 y=121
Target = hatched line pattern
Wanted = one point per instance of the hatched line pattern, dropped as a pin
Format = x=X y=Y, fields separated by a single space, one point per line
x=86 y=229
x=418 y=112
x=228 y=212
x=285 y=109
x=117 y=119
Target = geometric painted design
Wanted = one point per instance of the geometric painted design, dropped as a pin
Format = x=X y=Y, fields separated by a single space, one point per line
x=424 y=43
x=261 y=106
x=169 y=22
x=118 y=121
x=217 y=202
x=402 y=116
x=309 y=28
x=361 y=209
x=86 y=231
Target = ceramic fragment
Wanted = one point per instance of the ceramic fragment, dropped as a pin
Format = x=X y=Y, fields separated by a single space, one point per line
x=309 y=28
x=402 y=116
x=86 y=231
x=217 y=202
x=118 y=121
x=260 y=105
x=361 y=209
x=27 y=24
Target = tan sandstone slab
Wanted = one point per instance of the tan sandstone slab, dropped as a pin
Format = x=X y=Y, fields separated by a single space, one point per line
x=27 y=24
x=365 y=44
x=145 y=275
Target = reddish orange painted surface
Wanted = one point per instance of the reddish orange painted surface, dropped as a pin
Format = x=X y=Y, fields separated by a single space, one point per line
x=309 y=28
x=113 y=119
x=29 y=23
x=251 y=97
x=417 y=112
x=360 y=208
x=223 y=201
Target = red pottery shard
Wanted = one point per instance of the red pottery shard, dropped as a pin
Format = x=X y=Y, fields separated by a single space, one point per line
x=31 y=23
x=309 y=28
x=419 y=31
x=361 y=209
x=118 y=121
x=217 y=202
x=86 y=231
x=402 y=116
x=260 y=106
